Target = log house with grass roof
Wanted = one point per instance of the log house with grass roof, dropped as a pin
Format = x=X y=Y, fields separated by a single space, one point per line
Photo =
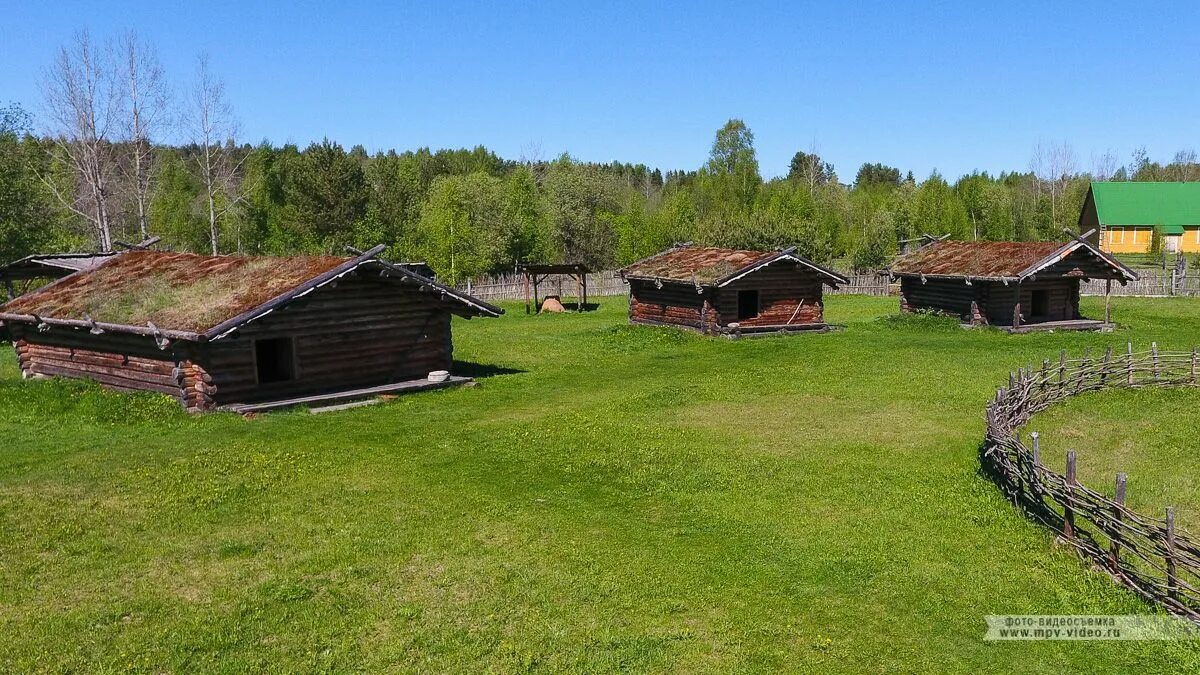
x=1021 y=286
x=732 y=292
x=231 y=331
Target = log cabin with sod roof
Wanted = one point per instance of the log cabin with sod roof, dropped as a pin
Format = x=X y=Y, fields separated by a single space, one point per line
x=1020 y=286
x=242 y=332
x=731 y=292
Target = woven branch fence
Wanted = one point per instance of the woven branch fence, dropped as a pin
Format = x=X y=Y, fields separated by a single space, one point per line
x=1149 y=285
x=512 y=286
x=1147 y=554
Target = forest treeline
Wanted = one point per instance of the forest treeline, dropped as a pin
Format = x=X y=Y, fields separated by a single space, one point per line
x=153 y=163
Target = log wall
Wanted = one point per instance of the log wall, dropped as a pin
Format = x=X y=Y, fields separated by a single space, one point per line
x=788 y=294
x=116 y=360
x=362 y=332
x=994 y=303
x=673 y=304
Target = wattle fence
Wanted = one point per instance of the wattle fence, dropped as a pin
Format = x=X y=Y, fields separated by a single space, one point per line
x=1144 y=553
x=608 y=283
x=1150 y=285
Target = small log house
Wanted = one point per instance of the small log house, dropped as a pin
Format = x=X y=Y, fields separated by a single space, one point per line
x=1017 y=285
x=220 y=331
x=732 y=292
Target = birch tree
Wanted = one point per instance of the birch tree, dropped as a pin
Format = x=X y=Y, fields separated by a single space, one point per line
x=147 y=103
x=212 y=129
x=81 y=113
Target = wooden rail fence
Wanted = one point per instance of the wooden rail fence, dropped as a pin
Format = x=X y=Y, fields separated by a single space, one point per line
x=1147 y=554
x=511 y=286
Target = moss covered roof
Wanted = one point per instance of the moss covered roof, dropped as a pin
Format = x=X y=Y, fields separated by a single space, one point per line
x=176 y=291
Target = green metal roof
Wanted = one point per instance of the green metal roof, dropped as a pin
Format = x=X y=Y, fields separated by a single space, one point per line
x=1171 y=205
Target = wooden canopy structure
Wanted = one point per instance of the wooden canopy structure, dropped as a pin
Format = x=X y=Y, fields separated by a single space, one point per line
x=225 y=331
x=537 y=274
x=1018 y=285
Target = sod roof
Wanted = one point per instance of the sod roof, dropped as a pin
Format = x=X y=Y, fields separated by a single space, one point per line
x=712 y=266
x=998 y=260
x=175 y=291
x=975 y=258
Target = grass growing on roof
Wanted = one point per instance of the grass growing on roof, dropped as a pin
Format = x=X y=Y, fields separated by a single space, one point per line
x=180 y=291
x=631 y=498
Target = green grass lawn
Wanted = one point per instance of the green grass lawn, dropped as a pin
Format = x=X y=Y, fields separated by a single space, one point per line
x=621 y=498
x=1150 y=434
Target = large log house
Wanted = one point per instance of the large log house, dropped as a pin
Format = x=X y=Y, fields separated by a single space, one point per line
x=228 y=331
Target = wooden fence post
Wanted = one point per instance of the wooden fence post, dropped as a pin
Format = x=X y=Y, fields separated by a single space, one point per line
x=1045 y=372
x=1172 y=580
x=1193 y=376
x=1062 y=370
x=1107 y=364
x=1114 y=555
x=1083 y=366
x=1154 y=359
x=1129 y=364
x=1034 y=485
x=1068 y=509
x=1108 y=301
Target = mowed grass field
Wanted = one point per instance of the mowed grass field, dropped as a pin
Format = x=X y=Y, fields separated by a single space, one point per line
x=609 y=498
x=1149 y=434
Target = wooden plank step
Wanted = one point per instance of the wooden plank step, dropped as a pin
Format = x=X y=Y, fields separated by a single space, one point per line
x=346 y=395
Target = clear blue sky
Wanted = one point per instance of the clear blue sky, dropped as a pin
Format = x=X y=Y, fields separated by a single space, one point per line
x=949 y=85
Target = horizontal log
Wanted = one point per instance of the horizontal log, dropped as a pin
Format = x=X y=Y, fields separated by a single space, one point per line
x=88 y=370
x=87 y=358
x=103 y=378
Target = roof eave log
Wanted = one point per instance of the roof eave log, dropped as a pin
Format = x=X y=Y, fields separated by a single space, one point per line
x=107 y=327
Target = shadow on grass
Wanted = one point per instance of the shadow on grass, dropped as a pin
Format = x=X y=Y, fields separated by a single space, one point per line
x=480 y=370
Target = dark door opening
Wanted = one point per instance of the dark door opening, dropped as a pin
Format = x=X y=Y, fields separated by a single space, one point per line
x=275 y=360
x=747 y=305
x=1040 y=305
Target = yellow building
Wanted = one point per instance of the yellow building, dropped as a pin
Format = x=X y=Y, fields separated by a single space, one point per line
x=1125 y=216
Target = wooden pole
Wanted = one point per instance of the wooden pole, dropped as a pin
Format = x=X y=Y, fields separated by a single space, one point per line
x=1034 y=487
x=1154 y=359
x=1193 y=376
x=526 y=277
x=1068 y=509
x=584 y=275
x=1108 y=301
x=579 y=291
x=537 y=304
x=1114 y=551
x=1129 y=364
x=1172 y=579
x=1107 y=364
